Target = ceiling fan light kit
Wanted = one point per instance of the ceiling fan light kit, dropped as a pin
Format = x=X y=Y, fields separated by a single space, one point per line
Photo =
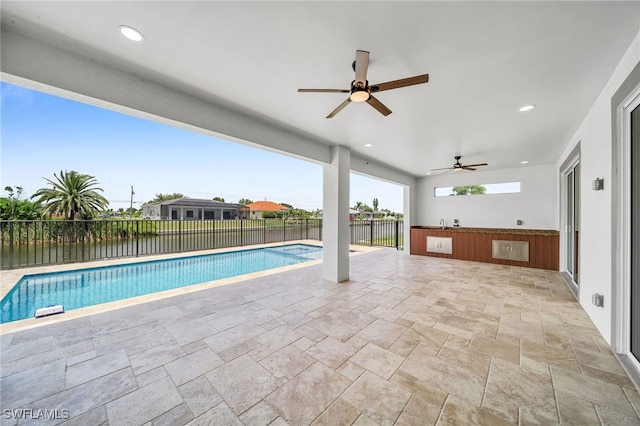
x=361 y=91
x=359 y=95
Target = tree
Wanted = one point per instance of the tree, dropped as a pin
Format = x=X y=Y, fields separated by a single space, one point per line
x=289 y=206
x=245 y=201
x=71 y=194
x=362 y=207
x=166 y=197
x=218 y=199
x=375 y=204
x=132 y=212
x=468 y=190
x=14 y=207
x=299 y=214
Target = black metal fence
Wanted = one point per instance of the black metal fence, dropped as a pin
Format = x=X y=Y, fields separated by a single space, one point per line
x=46 y=242
x=386 y=233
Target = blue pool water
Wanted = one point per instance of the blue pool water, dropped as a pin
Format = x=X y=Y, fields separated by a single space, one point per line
x=86 y=287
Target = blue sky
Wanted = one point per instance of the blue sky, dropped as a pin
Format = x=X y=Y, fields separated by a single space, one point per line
x=44 y=134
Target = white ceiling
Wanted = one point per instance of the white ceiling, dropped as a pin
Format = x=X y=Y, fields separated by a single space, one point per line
x=485 y=60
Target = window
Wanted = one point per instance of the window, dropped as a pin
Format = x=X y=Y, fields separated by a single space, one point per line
x=189 y=213
x=484 y=189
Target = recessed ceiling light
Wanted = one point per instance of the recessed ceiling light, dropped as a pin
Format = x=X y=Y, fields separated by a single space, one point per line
x=368 y=145
x=524 y=162
x=527 y=108
x=428 y=173
x=131 y=33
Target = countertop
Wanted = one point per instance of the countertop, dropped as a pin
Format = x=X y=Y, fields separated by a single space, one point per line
x=518 y=231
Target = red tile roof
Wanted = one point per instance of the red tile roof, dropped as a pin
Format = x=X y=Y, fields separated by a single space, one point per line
x=266 y=206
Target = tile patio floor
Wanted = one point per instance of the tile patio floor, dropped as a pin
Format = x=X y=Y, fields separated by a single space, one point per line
x=408 y=340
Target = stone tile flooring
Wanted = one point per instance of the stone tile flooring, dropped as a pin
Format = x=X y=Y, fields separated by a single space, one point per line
x=408 y=340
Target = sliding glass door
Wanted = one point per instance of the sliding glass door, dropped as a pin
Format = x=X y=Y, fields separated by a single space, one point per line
x=627 y=343
x=634 y=308
x=572 y=222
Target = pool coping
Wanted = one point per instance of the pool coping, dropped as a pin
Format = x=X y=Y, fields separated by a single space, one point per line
x=9 y=278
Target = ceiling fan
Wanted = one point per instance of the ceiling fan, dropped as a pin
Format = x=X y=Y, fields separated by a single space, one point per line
x=361 y=91
x=459 y=166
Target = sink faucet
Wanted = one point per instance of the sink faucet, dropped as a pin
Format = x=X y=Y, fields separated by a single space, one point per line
x=442 y=223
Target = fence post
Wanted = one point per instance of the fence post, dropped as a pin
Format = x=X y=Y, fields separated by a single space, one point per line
x=371 y=242
x=180 y=235
x=241 y=234
x=397 y=236
x=10 y=245
x=137 y=236
x=82 y=235
x=264 y=231
x=284 y=231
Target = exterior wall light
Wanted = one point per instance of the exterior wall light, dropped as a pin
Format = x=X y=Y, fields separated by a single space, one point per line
x=598 y=184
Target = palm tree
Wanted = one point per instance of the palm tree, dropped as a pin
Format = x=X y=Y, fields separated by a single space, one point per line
x=72 y=194
x=166 y=197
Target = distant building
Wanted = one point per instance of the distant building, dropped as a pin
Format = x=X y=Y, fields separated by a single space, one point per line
x=259 y=207
x=194 y=209
x=359 y=214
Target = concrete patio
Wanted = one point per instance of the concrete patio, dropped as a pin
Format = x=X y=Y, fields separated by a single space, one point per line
x=408 y=340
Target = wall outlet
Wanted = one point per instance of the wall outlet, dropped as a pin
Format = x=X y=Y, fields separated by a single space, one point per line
x=518 y=222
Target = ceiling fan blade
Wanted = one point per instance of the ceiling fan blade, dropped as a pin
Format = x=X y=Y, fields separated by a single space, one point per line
x=362 y=64
x=382 y=109
x=419 y=79
x=467 y=168
x=476 y=165
x=323 y=91
x=340 y=108
x=444 y=168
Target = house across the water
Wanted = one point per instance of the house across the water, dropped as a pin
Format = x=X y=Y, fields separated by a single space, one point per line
x=258 y=208
x=194 y=209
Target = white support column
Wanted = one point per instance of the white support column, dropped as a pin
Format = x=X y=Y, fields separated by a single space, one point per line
x=335 y=227
x=410 y=200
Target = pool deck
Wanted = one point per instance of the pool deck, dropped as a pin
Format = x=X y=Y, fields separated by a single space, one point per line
x=8 y=279
x=407 y=340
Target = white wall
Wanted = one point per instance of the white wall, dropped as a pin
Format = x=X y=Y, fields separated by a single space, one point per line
x=596 y=236
x=151 y=211
x=535 y=205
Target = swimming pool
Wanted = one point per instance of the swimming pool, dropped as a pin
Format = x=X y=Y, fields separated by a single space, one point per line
x=86 y=287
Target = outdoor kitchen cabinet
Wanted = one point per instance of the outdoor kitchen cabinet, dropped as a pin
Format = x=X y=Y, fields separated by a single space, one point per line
x=533 y=248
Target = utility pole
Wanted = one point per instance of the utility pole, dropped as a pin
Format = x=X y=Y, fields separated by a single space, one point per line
x=131 y=205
